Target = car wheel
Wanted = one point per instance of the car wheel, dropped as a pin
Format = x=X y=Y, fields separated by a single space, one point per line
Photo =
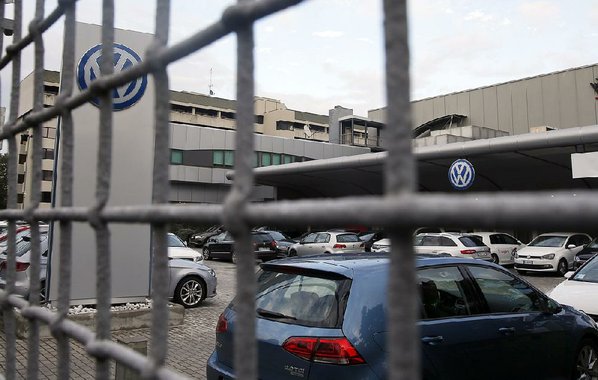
x=190 y=291
x=292 y=253
x=563 y=267
x=206 y=254
x=42 y=292
x=233 y=257
x=586 y=361
x=495 y=259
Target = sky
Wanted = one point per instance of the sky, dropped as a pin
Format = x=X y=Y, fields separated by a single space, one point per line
x=324 y=53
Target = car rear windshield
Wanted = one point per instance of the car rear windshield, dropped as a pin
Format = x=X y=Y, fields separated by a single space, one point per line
x=347 y=238
x=261 y=238
x=308 y=298
x=174 y=241
x=471 y=241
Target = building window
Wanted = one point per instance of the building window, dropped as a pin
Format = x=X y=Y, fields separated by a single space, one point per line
x=22 y=158
x=176 y=157
x=229 y=158
x=275 y=159
x=206 y=112
x=317 y=128
x=228 y=115
x=218 y=158
x=259 y=119
x=284 y=126
x=181 y=108
x=47 y=154
x=288 y=159
x=49 y=132
x=46 y=196
x=266 y=159
x=47 y=175
x=256 y=159
x=21 y=178
x=24 y=138
x=20 y=198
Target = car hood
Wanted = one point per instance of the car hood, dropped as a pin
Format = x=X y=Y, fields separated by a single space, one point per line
x=538 y=250
x=581 y=295
x=182 y=253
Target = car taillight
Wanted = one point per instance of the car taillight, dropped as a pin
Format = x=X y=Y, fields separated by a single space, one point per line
x=337 y=246
x=324 y=350
x=222 y=325
x=20 y=267
x=468 y=251
x=273 y=244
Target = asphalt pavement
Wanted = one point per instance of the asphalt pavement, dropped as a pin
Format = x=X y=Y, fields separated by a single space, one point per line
x=189 y=345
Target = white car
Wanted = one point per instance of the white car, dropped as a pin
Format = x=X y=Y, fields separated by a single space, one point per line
x=178 y=250
x=502 y=246
x=382 y=245
x=580 y=289
x=458 y=245
x=327 y=242
x=551 y=252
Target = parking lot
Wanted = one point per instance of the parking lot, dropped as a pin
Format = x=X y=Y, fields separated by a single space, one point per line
x=190 y=344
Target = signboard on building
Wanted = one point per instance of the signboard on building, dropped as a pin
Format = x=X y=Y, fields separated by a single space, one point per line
x=131 y=176
x=461 y=174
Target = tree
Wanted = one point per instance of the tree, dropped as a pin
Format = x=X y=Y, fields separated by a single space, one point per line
x=3 y=180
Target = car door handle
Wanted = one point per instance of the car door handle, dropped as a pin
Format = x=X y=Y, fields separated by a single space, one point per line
x=433 y=340
x=507 y=330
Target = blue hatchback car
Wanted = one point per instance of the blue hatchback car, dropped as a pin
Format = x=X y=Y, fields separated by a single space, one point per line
x=325 y=317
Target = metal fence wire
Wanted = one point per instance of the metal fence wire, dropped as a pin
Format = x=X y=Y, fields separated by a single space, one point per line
x=399 y=210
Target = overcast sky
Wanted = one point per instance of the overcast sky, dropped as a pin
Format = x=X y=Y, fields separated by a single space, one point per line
x=324 y=53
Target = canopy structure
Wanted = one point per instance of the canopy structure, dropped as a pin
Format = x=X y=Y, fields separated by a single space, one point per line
x=534 y=161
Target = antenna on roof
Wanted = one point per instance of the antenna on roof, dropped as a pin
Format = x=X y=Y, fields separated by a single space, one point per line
x=211 y=85
x=308 y=132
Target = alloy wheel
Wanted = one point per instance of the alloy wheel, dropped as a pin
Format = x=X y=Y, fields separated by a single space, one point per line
x=586 y=367
x=191 y=292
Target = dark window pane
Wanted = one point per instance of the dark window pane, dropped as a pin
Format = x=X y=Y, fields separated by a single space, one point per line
x=442 y=292
x=218 y=157
x=176 y=157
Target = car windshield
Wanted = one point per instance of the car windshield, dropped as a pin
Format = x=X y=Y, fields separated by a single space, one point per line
x=548 y=241
x=588 y=272
x=301 y=298
x=367 y=237
x=174 y=241
x=593 y=244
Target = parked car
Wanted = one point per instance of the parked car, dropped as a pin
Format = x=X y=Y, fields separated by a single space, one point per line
x=580 y=289
x=325 y=317
x=190 y=283
x=585 y=254
x=177 y=249
x=222 y=247
x=457 y=245
x=283 y=242
x=23 y=263
x=200 y=238
x=370 y=237
x=382 y=245
x=327 y=242
x=502 y=246
x=551 y=252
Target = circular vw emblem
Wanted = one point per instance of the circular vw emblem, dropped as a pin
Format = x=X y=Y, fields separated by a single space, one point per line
x=461 y=174
x=89 y=69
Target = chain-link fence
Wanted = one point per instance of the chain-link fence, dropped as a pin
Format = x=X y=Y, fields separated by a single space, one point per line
x=399 y=210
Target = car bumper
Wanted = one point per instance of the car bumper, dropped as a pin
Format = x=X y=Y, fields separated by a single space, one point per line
x=535 y=265
x=216 y=370
x=266 y=255
x=21 y=288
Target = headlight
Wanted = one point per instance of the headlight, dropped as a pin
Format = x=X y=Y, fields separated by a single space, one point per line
x=550 y=256
x=211 y=271
x=198 y=259
x=577 y=258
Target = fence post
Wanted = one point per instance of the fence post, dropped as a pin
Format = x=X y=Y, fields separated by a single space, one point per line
x=137 y=343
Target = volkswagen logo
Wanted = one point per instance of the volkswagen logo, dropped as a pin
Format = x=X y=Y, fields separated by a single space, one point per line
x=89 y=69
x=461 y=174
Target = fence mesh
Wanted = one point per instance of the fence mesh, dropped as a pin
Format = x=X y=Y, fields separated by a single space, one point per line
x=399 y=210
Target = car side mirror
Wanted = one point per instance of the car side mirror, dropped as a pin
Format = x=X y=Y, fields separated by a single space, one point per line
x=571 y=246
x=569 y=274
x=551 y=307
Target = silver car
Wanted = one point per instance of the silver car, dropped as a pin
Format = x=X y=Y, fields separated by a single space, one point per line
x=327 y=242
x=23 y=263
x=190 y=283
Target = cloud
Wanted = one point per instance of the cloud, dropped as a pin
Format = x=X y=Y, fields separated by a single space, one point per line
x=478 y=16
x=329 y=34
x=540 y=14
x=366 y=40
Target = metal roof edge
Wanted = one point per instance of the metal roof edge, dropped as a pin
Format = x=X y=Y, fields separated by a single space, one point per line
x=551 y=139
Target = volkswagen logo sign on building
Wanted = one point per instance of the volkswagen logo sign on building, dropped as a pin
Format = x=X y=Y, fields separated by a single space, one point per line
x=89 y=69
x=461 y=174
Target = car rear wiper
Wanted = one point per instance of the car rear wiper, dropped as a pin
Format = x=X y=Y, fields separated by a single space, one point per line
x=274 y=314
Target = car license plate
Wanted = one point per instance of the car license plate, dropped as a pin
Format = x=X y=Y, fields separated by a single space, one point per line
x=263 y=249
x=528 y=262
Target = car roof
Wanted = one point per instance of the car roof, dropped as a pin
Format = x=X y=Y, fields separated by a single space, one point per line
x=563 y=233
x=351 y=264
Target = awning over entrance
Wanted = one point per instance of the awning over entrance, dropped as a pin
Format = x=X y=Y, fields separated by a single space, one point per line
x=534 y=161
